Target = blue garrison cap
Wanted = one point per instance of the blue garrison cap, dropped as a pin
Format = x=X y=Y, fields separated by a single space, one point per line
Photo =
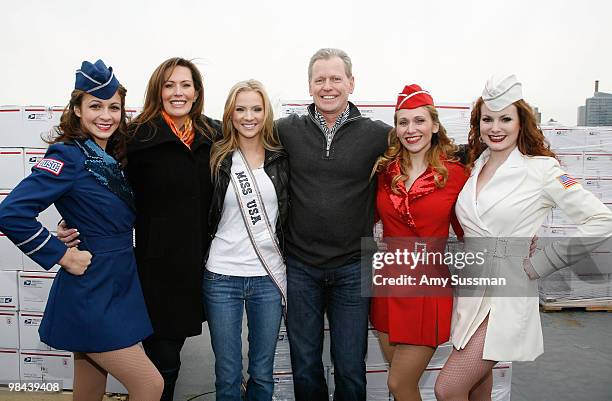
x=96 y=79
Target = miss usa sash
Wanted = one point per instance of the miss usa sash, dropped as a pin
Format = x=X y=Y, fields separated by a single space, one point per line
x=257 y=223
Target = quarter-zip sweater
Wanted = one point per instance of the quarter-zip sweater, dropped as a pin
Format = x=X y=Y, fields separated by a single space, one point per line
x=332 y=194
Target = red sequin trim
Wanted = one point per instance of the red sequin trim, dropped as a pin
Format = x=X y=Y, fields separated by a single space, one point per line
x=424 y=184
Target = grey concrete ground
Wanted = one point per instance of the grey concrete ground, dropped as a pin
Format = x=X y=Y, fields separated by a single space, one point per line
x=576 y=365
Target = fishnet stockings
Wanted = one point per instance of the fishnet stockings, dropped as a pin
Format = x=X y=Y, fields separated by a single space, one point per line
x=129 y=365
x=466 y=376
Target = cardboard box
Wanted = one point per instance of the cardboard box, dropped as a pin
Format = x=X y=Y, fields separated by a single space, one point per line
x=9 y=295
x=11 y=257
x=29 y=322
x=11 y=167
x=598 y=165
x=10 y=125
x=283 y=387
x=598 y=139
x=34 y=290
x=37 y=122
x=47 y=366
x=564 y=139
x=9 y=330
x=9 y=366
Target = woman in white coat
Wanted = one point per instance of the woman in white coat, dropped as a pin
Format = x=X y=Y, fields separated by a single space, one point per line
x=515 y=180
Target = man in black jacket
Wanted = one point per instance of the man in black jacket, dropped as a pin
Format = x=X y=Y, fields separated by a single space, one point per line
x=332 y=151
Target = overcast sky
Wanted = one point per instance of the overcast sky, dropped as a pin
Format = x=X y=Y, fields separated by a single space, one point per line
x=556 y=48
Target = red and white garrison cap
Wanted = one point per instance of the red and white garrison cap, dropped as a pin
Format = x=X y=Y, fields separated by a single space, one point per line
x=413 y=96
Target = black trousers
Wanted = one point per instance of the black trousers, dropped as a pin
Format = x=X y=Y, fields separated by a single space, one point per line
x=165 y=353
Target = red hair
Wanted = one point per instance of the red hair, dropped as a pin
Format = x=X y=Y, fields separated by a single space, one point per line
x=531 y=141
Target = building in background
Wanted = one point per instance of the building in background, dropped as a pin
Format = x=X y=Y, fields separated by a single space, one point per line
x=597 y=110
x=537 y=114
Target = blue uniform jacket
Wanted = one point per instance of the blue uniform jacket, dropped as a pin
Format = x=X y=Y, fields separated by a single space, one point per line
x=103 y=309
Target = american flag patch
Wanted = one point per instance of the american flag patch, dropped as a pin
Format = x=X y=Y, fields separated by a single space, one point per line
x=566 y=181
x=51 y=165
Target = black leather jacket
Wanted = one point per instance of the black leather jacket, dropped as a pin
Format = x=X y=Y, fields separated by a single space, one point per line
x=276 y=166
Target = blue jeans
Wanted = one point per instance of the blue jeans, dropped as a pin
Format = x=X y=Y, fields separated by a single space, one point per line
x=225 y=298
x=311 y=292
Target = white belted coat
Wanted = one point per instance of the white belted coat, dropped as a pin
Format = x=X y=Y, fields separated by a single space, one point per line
x=514 y=204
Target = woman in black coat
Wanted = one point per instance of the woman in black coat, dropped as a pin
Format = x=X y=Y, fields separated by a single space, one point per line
x=168 y=168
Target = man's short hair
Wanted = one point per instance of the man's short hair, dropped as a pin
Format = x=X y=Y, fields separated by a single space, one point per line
x=326 y=54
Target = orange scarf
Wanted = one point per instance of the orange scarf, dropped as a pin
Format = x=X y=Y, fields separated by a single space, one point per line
x=186 y=134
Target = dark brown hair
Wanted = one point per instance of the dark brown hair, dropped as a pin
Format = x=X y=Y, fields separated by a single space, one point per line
x=531 y=141
x=70 y=128
x=153 y=104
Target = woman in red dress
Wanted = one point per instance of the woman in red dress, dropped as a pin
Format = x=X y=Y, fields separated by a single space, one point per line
x=419 y=179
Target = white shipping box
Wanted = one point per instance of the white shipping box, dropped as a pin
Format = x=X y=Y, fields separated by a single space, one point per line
x=9 y=366
x=598 y=139
x=11 y=258
x=10 y=126
x=47 y=366
x=9 y=330
x=9 y=295
x=455 y=117
x=598 y=165
x=564 y=139
x=11 y=167
x=283 y=387
x=37 y=122
x=29 y=322
x=34 y=290
x=572 y=163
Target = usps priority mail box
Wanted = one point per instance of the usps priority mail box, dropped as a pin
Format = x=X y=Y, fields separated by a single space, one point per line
x=37 y=122
x=34 y=290
x=9 y=366
x=11 y=258
x=29 y=322
x=46 y=366
x=9 y=330
x=11 y=167
x=9 y=296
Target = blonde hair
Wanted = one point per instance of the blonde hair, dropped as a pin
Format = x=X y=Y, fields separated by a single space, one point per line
x=229 y=142
x=442 y=148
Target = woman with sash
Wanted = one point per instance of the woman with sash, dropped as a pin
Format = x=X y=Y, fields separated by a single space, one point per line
x=245 y=267
x=95 y=307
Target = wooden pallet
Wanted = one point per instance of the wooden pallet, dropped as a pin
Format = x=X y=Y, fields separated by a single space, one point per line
x=556 y=307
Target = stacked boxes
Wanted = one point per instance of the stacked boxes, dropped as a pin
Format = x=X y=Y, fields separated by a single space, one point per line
x=585 y=153
x=24 y=285
x=377 y=371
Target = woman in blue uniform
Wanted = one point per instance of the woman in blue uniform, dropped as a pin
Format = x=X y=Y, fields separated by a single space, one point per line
x=95 y=306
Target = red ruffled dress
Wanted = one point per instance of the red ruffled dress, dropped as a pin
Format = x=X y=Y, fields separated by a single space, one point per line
x=417 y=315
